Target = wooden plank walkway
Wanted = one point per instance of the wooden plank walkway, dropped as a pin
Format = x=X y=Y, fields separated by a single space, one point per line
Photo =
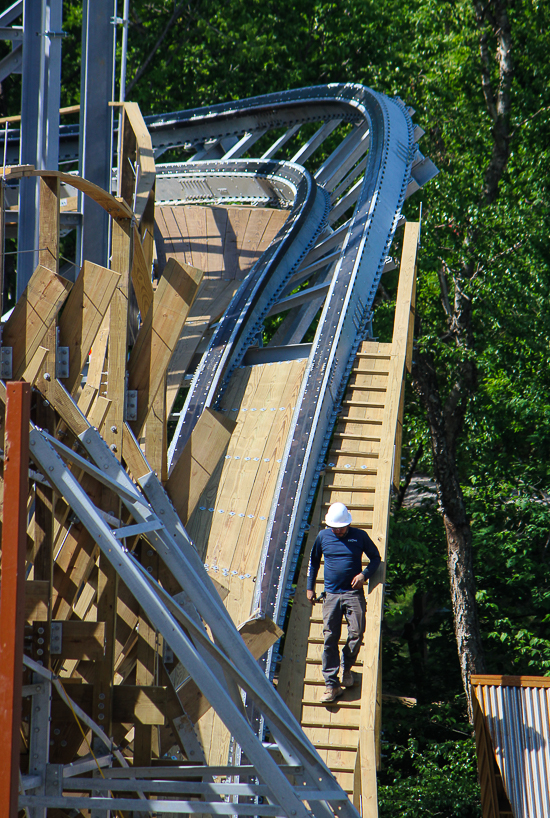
x=350 y=477
x=362 y=463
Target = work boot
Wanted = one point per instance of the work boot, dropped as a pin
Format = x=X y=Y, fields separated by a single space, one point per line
x=331 y=694
x=347 y=679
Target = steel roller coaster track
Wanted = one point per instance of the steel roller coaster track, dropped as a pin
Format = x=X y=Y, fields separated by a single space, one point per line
x=343 y=213
x=350 y=161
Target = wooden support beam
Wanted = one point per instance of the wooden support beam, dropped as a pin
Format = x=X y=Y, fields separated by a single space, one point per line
x=136 y=145
x=82 y=641
x=147 y=661
x=118 y=336
x=44 y=416
x=48 y=233
x=32 y=316
x=258 y=635
x=147 y=704
x=189 y=477
x=159 y=334
x=102 y=709
x=14 y=537
x=141 y=276
x=82 y=316
x=156 y=435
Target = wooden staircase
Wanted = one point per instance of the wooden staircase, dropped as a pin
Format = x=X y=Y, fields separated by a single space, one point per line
x=362 y=465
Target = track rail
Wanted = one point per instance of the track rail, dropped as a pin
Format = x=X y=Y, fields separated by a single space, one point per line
x=382 y=147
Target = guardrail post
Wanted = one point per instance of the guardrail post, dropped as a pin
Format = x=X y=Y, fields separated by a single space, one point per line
x=12 y=588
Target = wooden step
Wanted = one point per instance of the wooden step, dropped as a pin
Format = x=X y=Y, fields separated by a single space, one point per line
x=364 y=421
x=373 y=372
x=373 y=356
x=351 y=453
x=363 y=404
x=353 y=506
x=335 y=487
x=361 y=388
x=329 y=725
x=355 y=705
x=320 y=662
x=349 y=748
x=350 y=469
x=350 y=436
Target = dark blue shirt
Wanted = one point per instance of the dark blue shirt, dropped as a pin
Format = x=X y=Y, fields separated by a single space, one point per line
x=342 y=559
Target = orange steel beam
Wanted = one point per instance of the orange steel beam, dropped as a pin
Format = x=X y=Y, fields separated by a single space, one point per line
x=12 y=588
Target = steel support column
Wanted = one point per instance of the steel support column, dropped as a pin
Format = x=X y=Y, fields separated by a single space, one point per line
x=32 y=137
x=12 y=588
x=96 y=122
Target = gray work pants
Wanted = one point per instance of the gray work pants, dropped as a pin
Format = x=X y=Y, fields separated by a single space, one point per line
x=352 y=606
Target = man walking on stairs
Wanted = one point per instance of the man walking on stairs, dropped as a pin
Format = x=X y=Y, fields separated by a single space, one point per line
x=342 y=547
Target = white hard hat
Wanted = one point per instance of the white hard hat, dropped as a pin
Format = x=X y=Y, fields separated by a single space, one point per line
x=338 y=516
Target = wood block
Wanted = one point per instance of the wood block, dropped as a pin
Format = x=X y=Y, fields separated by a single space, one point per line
x=35 y=368
x=258 y=635
x=82 y=316
x=37 y=593
x=82 y=640
x=207 y=444
x=158 y=335
x=32 y=316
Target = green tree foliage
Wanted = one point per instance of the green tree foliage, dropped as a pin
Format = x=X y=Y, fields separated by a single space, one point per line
x=200 y=52
x=429 y=53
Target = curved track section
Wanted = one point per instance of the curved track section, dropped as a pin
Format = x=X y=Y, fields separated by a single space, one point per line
x=246 y=311
x=368 y=171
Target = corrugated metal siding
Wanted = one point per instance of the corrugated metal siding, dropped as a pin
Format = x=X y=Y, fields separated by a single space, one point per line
x=519 y=723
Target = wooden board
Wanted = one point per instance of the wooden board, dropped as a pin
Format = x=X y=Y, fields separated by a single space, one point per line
x=159 y=334
x=223 y=241
x=229 y=523
x=83 y=314
x=194 y=468
x=32 y=316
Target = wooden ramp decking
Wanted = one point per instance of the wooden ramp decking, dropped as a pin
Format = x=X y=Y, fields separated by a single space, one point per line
x=362 y=464
x=229 y=522
x=223 y=242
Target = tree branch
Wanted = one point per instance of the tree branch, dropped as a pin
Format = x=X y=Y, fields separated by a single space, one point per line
x=155 y=48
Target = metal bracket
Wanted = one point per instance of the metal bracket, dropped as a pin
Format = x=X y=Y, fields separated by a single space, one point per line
x=56 y=638
x=6 y=363
x=62 y=362
x=131 y=404
x=54 y=779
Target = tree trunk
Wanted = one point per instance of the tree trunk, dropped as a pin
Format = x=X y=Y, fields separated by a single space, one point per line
x=445 y=423
x=446 y=418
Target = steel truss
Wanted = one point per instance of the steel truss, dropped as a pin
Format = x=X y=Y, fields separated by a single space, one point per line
x=221 y=666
